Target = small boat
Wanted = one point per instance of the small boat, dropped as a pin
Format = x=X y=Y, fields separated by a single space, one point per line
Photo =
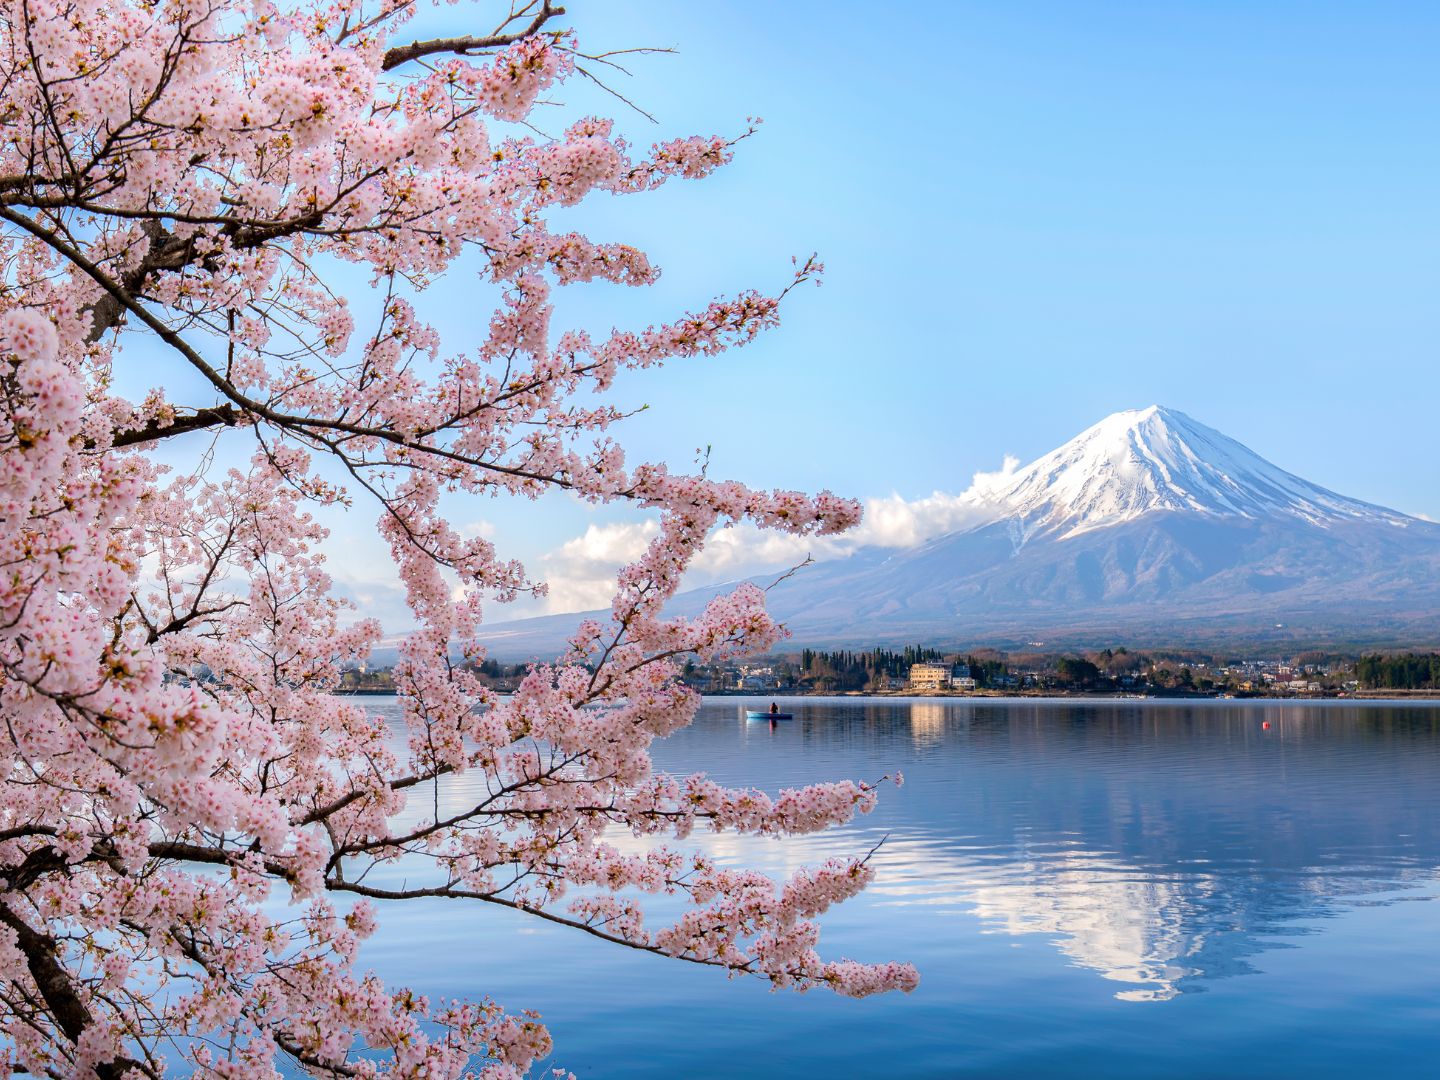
x=763 y=714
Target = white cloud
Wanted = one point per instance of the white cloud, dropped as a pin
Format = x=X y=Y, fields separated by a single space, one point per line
x=480 y=527
x=896 y=523
x=742 y=549
x=581 y=572
x=890 y=521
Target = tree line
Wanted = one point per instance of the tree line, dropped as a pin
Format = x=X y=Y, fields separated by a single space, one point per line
x=845 y=669
x=1410 y=671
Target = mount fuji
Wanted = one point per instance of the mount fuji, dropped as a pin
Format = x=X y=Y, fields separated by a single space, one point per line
x=1148 y=528
x=1157 y=460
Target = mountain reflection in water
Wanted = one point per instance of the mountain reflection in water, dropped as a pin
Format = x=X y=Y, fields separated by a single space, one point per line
x=1163 y=847
x=1154 y=849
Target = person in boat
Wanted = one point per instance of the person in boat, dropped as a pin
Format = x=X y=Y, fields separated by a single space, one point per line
x=774 y=709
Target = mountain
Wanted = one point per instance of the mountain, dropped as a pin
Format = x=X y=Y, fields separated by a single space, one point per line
x=1156 y=460
x=1148 y=528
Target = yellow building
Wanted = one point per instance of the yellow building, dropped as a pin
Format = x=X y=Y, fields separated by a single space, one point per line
x=929 y=676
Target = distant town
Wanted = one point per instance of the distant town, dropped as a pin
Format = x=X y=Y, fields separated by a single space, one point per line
x=919 y=670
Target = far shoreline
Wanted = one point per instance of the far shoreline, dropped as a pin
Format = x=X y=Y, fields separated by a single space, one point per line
x=1407 y=696
x=1081 y=695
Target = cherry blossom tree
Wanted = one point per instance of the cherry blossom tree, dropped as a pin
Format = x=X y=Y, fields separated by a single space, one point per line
x=195 y=830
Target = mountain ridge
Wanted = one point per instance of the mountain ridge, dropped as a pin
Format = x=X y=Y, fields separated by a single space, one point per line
x=1147 y=521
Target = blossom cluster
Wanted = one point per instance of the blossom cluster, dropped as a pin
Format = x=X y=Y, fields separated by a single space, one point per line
x=191 y=815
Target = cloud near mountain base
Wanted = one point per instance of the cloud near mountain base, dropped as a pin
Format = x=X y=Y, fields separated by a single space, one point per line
x=581 y=571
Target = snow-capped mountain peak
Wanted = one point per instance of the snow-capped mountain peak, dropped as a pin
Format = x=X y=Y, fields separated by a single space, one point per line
x=1143 y=461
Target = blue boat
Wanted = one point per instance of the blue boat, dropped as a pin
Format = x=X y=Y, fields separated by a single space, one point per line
x=760 y=714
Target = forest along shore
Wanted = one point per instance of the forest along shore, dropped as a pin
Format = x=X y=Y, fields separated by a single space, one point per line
x=1111 y=672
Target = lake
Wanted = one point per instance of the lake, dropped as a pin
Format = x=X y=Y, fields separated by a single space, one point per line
x=1089 y=888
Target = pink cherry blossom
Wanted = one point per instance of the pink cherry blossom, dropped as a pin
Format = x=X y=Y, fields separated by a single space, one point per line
x=191 y=815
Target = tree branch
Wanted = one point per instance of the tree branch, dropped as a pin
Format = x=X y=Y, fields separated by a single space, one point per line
x=465 y=46
x=310 y=427
x=227 y=415
x=56 y=988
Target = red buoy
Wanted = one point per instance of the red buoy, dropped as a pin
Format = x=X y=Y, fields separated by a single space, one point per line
x=1265 y=726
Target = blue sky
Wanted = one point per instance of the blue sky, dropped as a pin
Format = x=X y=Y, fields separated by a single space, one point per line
x=1033 y=215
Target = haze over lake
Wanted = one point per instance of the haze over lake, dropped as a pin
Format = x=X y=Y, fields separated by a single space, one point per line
x=1104 y=888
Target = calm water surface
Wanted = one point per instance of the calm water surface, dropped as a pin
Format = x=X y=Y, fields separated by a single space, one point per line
x=1130 y=889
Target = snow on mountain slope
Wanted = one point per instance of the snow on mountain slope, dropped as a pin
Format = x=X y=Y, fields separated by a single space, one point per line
x=1145 y=460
